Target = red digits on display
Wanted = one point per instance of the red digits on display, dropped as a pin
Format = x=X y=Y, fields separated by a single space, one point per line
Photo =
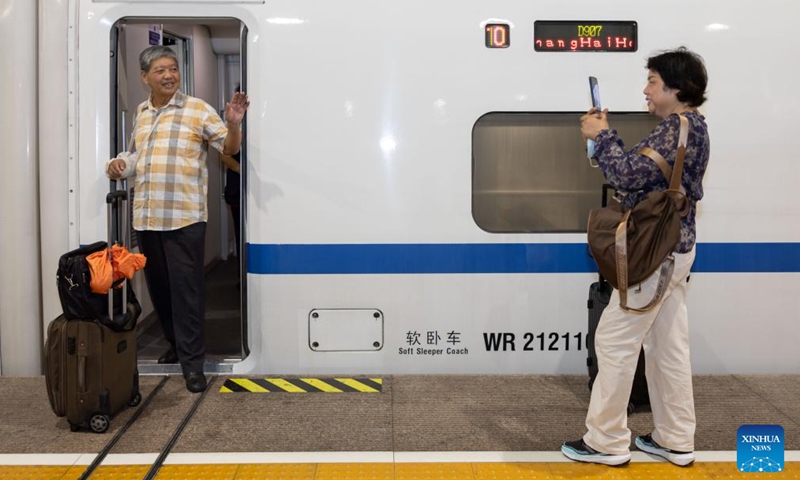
x=585 y=44
x=497 y=36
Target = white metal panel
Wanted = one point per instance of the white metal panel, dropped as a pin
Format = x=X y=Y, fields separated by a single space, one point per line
x=415 y=79
x=20 y=293
x=744 y=323
x=737 y=326
x=54 y=184
x=344 y=330
x=360 y=132
x=369 y=141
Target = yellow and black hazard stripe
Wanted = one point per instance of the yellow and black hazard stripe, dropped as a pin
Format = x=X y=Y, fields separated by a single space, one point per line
x=302 y=385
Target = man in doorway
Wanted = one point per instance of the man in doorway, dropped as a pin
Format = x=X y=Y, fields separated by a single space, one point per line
x=171 y=134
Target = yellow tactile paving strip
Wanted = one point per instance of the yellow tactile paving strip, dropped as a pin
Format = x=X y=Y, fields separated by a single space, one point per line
x=402 y=471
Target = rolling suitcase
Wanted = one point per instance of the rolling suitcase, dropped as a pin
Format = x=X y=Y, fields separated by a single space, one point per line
x=599 y=296
x=91 y=372
x=90 y=363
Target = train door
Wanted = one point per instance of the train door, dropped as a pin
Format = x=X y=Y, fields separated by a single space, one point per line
x=211 y=60
x=180 y=46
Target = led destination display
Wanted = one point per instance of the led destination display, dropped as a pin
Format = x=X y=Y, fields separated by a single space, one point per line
x=584 y=36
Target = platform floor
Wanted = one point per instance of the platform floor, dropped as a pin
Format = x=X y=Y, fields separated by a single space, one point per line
x=415 y=427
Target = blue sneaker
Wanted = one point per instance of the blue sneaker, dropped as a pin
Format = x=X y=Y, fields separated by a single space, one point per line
x=646 y=443
x=580 y=452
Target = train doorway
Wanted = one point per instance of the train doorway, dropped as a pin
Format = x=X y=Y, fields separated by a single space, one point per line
x=211 y=58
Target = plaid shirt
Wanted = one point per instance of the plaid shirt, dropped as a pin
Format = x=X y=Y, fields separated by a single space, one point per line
x=171 y=172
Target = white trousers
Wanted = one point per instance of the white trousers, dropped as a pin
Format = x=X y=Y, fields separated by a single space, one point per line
x=664 y=332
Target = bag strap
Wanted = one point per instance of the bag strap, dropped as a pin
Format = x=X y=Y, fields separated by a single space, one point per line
x=683 y=137
x=131 y=144
x=674 y=177
x=621 y=237
x=667 y=267
x=656 y=157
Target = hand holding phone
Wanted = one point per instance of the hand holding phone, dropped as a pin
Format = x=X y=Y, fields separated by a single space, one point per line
x=594 y=89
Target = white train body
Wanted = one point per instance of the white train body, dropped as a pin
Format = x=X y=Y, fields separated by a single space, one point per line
x=359 y=198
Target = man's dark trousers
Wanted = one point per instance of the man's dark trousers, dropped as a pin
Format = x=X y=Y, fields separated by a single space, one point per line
x=176 y=280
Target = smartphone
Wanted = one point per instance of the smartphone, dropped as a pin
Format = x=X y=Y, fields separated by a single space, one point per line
x=594 y=90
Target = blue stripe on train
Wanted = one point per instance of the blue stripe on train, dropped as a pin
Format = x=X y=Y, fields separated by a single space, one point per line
x=292 y=259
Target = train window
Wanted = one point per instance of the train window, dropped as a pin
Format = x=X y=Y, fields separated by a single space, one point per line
x=530 y=173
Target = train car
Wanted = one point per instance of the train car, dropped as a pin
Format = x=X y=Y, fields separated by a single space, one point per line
x=414 y=181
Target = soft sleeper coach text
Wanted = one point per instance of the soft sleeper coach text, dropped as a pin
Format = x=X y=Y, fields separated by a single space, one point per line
x=433 y=351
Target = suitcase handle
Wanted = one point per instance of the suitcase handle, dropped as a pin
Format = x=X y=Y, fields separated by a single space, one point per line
x=118 y=197
x=115 y=195
x=606 y=188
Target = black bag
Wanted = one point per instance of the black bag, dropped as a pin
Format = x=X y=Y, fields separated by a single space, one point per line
x=73 y=277
x=91 y=369
x=599 y=295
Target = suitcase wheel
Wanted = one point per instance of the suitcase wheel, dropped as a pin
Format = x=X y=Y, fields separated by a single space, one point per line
x=99 y=423
x=74 y=428
x=136 y=400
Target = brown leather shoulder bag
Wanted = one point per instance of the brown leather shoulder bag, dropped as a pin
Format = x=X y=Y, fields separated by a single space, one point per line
x=630 y=245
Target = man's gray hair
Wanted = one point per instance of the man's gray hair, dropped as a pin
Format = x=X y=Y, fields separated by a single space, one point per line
x=151 y=54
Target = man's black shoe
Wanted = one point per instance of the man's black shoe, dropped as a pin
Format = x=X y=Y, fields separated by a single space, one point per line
x=195 y=382
x=170 y=356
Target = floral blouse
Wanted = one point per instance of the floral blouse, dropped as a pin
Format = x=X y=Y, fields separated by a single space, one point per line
x=634 y=175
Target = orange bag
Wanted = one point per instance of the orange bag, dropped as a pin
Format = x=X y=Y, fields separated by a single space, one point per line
x=105 y=272
x=125 y=263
